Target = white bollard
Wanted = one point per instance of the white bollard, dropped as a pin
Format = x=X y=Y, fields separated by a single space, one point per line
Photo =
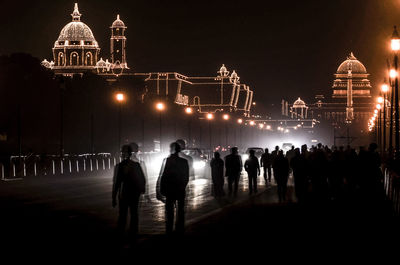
x=91 y=165
x=34 y=169
x=77 y=166
x=3 y=177
x=109 y=163
x=84 y=164
x=62 y=166
x=70 y=166
x=115 y=162
x=54 y=167
x=104 y=164
x=97 y=164
x=13 y=170
x=24 y=168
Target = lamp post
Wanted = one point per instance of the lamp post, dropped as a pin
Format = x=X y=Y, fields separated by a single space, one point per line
x=384 y=89
x=226 y=119
x=160 y=107
x=120 y=97
x=189 y=112
x=395 y=45
x=240 y=121
x=392 y=75
x=210 y=117
x=379 y=124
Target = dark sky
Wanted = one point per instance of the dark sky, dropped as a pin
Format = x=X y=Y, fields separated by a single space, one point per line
x=280 y=48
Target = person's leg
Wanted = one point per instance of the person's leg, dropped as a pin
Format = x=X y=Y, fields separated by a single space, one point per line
x=123 y=214
x=169 y=214
x=230 y=182
x=236 y=183
x=134 y=210
x=269 y=173
x=180 y=216
x=255 y=183
x=250 y=177
x=265 y=173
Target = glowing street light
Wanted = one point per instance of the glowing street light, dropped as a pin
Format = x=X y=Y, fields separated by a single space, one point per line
x=261 y=125
x=120 y=97
x=378 y=106
x=384 y=88
x=210 y=116
x=395 y=41
x=252 y=123
x=379 y=100
x=240 y=121
x=225 y=117
x=188 y=110
x=160 y=107
x=268 y=127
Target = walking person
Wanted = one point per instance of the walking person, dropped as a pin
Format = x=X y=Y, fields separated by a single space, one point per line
x=217 y=175
x=281 y=174
x=299 y=166
x=172 y=184
x=128 y=184
x=252 y=168
x=266 y=162
x=233 y=166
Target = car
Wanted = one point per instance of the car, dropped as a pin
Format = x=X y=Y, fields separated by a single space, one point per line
x=258 y=152
x=199 y=159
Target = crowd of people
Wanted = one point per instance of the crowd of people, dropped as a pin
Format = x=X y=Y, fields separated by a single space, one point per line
x=320 y=174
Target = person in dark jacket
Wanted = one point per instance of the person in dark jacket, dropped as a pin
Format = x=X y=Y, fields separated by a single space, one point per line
x=299 y=165
x=252 y=168
x=266 y=162
x=173 y=182
x=233 y=166
x=128 y=184
x=217 y=174
x=281 y=174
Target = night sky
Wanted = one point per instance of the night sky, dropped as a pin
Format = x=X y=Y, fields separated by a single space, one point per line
x=280 y=48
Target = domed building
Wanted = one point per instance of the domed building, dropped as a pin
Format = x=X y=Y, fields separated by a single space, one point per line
x=351 y=70
x=76 y=49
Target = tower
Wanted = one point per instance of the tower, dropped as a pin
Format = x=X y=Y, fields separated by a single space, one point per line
x=118 y=44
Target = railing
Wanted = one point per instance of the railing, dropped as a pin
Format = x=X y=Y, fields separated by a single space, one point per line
x=392 y=189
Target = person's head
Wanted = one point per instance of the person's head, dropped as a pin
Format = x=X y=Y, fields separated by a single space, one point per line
x=319 y=145
x=304 y=148
x=297 y=151
x=276 y=148
x=174 y=148
x=135 y=147
x=292 y=147
x=266 y=150
x=182 y=143
x=217 y=155
x=280 y=153
x=126 y=151
x=252 y=152
x=234 y=150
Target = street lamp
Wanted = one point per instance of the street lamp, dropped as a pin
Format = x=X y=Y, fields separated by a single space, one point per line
x=395 y=45
x=189 y=111
x=160 y=107
x=384 y=89
x=226 y=118
x=120 y=98
x=240 y=121
x=252 y=123
x=210 y=117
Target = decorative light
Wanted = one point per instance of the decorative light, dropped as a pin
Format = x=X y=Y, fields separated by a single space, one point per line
x=188 y=110
x=261 y=125
x=252 y=123
x=378 y=106
x=240 y=121
x=225 y=117
x=268 y=127
x=392 y=73
x=376 y=111
x=384 y=88
x=160 y=106
x=120 y=97
x=395 y=42
x=210 y=116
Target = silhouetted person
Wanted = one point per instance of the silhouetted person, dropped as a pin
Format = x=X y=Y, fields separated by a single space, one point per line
x=182 y=143
x=281 y=174
x=252 y=168
x=266 y=162
x=234 y=166
x=274 y=155
x=217 y=174
x=299 y=165
x=319 y=174
x=290 y=153
x=128 y=183
x=173 y=182
x=135 y=150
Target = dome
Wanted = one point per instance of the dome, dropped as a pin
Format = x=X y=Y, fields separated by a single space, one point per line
x=118 y=23
x=299 y=103
x=351 y=63
x=76 y=30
